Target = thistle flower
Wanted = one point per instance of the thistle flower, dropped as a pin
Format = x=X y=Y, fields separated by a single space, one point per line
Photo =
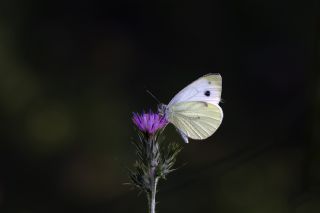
x=149 y=123
x=155 y=160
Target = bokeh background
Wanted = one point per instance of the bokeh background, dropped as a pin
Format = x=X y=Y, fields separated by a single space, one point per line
x=72 y=73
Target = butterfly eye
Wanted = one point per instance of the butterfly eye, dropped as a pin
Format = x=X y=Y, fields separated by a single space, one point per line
x=207 y=93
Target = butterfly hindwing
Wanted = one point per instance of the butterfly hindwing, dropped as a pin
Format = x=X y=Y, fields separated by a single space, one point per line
x=196 y=119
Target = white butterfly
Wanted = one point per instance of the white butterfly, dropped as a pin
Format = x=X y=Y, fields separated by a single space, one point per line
x=194 y=111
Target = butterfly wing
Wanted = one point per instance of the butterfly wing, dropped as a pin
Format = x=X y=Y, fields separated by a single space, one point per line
x=195 y=119
x=206 y=89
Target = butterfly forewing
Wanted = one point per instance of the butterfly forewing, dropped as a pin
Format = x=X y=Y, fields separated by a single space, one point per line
x=206 y=89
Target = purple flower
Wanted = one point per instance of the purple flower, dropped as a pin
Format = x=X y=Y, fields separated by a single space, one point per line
x=149 y=122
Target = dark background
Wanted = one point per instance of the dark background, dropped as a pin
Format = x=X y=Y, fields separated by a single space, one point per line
x=72 y=73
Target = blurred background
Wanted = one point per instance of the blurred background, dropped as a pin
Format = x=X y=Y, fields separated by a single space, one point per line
x=72 y=73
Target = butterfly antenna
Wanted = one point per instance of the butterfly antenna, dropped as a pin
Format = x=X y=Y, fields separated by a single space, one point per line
x=153 y=96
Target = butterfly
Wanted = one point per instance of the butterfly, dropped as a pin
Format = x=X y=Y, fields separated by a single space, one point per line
x=195 y=110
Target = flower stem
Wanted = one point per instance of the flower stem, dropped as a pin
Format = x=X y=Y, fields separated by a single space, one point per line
x=152 y=196
x=152 y=175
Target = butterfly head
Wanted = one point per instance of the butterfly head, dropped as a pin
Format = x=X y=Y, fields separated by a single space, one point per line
x=162 y=109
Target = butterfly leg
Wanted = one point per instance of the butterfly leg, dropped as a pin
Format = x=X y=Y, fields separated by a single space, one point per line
x=184 y=136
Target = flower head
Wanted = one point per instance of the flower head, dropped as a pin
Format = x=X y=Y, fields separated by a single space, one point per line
x=149 y=122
